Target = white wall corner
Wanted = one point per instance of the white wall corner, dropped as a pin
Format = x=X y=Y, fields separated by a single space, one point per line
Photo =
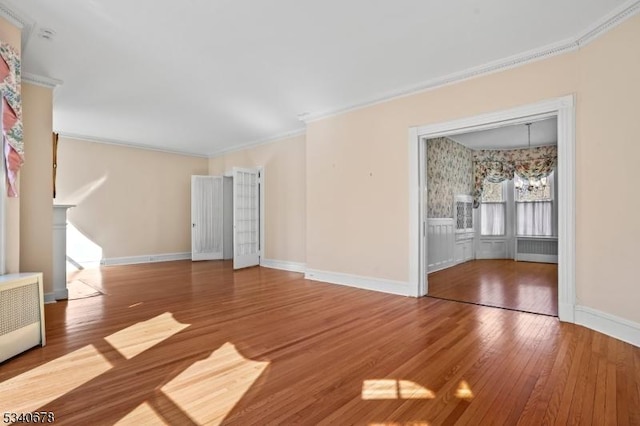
x=147 y=258
x=611 y=325
x=366 y=283
x=283 y=265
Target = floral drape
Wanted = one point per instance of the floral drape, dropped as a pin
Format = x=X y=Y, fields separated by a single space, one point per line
x=499 y=165
x=11 y=114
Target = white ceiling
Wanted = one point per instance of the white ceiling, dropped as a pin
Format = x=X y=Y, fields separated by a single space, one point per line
x=203 y=76
x=544 y=132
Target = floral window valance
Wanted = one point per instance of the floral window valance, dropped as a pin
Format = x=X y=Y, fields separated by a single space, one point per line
x=499 y=165
x=11 y=114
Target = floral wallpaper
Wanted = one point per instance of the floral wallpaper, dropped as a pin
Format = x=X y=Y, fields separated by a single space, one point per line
x=498 y=165
x=449 y=172
x=11 y=114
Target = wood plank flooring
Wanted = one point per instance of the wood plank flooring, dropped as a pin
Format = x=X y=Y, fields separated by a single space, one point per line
x=503 y=283
x=186 y=343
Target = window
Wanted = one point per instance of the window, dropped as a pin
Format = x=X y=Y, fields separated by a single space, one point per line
x=534 y=206
x=493 y=209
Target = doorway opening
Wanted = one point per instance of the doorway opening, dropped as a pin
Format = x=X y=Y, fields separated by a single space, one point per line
x=227 y=217
x=560 y=109
x=492 y=217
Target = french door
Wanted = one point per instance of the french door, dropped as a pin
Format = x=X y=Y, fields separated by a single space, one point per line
x=246 y=218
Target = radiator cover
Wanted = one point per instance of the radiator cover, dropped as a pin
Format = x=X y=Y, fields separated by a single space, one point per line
x=21 y=313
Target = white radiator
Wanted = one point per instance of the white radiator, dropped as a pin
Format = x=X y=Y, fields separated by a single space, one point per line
x=21 y=313
x=537 y=249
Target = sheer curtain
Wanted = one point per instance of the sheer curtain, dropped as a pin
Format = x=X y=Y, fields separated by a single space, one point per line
x=492 y=218
x=534 y=218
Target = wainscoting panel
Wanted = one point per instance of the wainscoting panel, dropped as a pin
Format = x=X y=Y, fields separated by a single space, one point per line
x=440 y=243
x=492 y=248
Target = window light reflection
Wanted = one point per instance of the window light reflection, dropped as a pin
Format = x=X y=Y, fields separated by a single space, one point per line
x=394 y=389
x=139 y=337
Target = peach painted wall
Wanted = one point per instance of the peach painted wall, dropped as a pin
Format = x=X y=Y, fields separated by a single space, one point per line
x=608 y=154
x=284 y=175
x=36 y=198
x=357 y=168
x=11 y=35
x=131 y=202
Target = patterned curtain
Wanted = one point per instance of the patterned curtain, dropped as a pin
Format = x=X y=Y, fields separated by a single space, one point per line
x=499 y=165
x=11 y=114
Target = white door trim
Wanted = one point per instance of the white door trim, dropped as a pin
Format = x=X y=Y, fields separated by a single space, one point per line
x=564 y=109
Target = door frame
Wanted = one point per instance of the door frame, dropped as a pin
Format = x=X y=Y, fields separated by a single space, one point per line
x=564 y=109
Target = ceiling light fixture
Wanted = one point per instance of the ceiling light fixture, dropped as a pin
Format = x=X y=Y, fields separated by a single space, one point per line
x=529 y=185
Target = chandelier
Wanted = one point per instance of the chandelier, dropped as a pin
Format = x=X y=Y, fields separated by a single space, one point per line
x=523 y=185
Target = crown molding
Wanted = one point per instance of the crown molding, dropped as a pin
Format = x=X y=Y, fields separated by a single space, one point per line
x=8 y=13
x=127 y=144
x=19 y=19
x=40 y=80
x=609 y=21
x=265 y=141
x=598 y=28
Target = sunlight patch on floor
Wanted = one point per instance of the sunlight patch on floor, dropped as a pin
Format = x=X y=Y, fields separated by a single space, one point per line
x=464 y=391
x=394 y=389
x=143 y=414
x=41 y=385
x=139 y=337
x=209 y=389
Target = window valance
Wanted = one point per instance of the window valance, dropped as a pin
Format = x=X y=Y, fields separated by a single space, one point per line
x=499 y=165
x=11 y=114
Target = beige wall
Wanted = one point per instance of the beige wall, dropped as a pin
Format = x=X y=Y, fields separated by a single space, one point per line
x=284 y=173
x=11 y=35
x=608 y=152
x=131 y=202
x=357 y=168
x=36 y=198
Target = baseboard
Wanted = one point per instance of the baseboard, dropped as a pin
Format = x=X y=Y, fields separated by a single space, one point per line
x=436 y=268
x=49 y=298
x=611 y=325
x=151 y=258
x=61 y=294
x=366 y=283
x=284 y=265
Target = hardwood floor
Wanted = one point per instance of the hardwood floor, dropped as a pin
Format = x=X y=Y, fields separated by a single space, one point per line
x=503 y=283
x=196 y=343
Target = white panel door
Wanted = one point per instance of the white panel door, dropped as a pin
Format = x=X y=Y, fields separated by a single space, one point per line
x=246 y=218
x=206 y=217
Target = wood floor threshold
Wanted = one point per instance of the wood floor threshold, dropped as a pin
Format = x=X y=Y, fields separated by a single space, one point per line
x=491 y=306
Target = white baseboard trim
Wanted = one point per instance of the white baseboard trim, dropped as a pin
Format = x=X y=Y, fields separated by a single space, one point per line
x=611 y=325
x=366 y=283
x=284 y=265
x=61 y=294
x=441 y=267
x=150 y=258
x=49 y=298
